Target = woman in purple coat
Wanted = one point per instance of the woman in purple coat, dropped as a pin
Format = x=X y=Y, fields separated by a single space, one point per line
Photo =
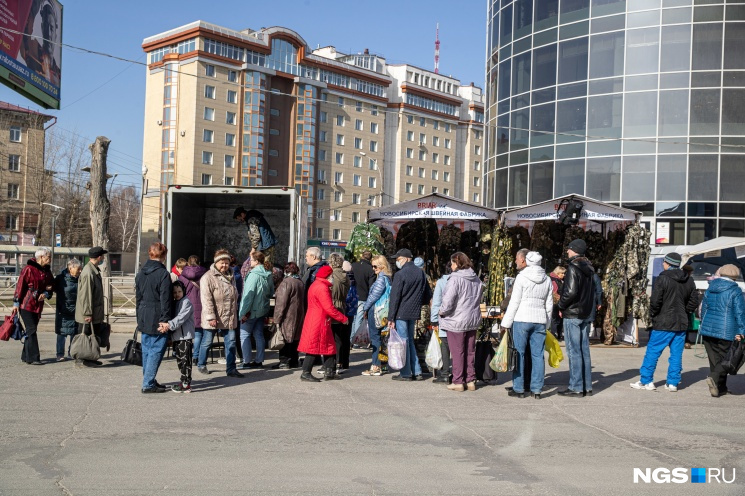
x=190 y=276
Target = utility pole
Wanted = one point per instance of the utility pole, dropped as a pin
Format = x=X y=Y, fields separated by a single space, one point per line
x=54 y=216
x=100 y=208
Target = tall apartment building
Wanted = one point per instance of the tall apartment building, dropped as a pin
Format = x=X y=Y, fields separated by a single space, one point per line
x=24 y=182
x=348 y=131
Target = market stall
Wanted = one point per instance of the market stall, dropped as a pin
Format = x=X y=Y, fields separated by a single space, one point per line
x=618 y=248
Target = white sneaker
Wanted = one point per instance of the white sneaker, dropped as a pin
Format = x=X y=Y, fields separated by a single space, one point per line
x=646 y=387
x=321 y=371
x=671 y=388
x=222 y=361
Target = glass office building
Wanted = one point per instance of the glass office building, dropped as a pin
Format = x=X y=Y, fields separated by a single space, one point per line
x=639 y=103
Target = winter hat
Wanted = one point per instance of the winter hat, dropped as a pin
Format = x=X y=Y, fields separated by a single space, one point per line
x=419 y=262
x=533 y=258
x=730 y=271
x=324 y=272
x=673 y=259
x=579 y=246
x=403 y=252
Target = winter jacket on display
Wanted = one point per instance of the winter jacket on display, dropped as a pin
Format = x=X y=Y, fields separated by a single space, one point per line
x=408 y=293
x=578 y=294
x=598 y=286
x=33 y=281
x=376 y=291
x=257 y=290
x=531 y=300
x=190 y=277
x=153 y=296
x=90 y=295
x=364 y=277
x=66 y=288
x=317 y=338
x=340 y=289
x=723 y=310
x=219 y=299
x=674 y=296
x=289 y=308
x=460 y=310
x=182 y=323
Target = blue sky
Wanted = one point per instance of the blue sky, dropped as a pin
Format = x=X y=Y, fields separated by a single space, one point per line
x=103 y=96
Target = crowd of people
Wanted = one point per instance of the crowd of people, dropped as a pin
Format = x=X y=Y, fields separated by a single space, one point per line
x=336 y=303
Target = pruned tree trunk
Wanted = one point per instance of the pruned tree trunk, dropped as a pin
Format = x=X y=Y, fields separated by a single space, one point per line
x=101 y=208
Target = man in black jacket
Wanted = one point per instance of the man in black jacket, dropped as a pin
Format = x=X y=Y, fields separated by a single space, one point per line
x=364 y=277
x=313 y=262
x=674 y=297
x=409 y=292
x=576 y=303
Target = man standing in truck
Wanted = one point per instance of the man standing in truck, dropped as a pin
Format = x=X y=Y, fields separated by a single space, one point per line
x=259 y=233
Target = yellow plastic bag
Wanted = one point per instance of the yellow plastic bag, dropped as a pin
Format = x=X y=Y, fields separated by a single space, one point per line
x=555 y=356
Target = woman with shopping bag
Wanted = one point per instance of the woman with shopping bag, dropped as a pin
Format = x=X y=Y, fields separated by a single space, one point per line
x=376 y=311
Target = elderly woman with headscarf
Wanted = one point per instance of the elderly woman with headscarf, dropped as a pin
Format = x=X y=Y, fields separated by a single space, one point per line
x=35 y=284
x=66 y=287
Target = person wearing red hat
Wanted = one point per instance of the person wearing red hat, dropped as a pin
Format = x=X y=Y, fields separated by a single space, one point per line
x=316 y=338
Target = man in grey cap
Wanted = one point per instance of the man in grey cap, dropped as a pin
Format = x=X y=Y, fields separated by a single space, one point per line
x=89 y=306
x=409 y=292
x=575 y=304
x=674 y=297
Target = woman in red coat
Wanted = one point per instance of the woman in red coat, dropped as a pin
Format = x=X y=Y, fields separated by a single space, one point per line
x=317 y=338
x=35 y=284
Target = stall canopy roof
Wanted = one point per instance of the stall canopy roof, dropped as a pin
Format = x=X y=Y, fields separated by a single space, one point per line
x=593 y=210
x=713 y=248
x=434 y=206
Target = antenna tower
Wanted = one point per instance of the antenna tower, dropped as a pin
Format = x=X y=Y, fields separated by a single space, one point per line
x=437 y=49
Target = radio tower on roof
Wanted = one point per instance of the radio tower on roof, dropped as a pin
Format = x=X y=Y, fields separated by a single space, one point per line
x=437 y=49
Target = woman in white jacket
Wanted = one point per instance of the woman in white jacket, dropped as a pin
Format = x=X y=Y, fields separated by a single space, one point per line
x=529 y=315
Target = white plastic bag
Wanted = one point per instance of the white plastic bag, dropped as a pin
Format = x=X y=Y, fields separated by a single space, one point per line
x=433 y=358
x=396 y=350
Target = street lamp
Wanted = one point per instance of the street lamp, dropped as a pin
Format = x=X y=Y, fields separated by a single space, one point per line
x=54 y=216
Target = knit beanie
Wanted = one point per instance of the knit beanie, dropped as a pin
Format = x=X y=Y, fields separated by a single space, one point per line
x=533 y=258
x=673 y=259
x=419 y=262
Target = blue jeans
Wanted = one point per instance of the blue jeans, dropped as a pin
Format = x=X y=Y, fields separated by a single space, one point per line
x=577 y=338
x=198 y=333
x=153 y=348
x=61 y=345
x=255 y=328
x=374 y=342
x=405 y=329
x=358 y=318
x=228 y=336
x=522 y=332
x=658 y=341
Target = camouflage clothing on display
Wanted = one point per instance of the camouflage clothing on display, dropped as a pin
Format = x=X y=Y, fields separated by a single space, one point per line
x=365 y=236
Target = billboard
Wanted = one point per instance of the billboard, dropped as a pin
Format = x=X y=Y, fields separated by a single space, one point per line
x=31 y=49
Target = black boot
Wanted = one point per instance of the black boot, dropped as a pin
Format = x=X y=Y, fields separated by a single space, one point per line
x=331 y=375
x=308 y=377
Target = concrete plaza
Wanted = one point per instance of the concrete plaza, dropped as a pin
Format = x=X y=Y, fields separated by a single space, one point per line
x=68 y=430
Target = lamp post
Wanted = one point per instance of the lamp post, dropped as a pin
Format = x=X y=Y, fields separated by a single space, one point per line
x=54 y=216
x=142 y=207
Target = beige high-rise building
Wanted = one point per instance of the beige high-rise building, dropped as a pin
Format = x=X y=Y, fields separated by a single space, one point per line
x=260 y=108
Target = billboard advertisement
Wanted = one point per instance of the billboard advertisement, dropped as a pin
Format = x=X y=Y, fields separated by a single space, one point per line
x=31 y=49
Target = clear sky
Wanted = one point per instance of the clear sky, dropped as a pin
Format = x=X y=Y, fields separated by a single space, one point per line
x=103 y=96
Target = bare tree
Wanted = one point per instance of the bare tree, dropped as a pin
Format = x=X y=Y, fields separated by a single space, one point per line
x=125 y=218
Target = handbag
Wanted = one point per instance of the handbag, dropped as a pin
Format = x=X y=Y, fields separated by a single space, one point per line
x=85 y=345
x=7 y=328
x=396 y=350
x=505 y=358
x=735 y=358
x=278 y=340
x=132 y=352
x=555 y=356
x=433 y=358
x=380 y=310
x=362 y=338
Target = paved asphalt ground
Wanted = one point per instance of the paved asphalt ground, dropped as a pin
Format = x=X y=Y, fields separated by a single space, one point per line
x=90 y=431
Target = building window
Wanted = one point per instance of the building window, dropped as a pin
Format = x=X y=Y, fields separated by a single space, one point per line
x=422 y=155
x=274 y=112
x=339 y=158
x=434 y=189
x=373 y=146
x=319 y=232
x=409 y=153
x=340 y=120
x=447 y=143
x=229 y=161
x=409 y=135
x=11 y=222
x=233 y=76
x=357 y=180
x=422 y=172
x=372 y=200
x=374 y=110
x=338 y=196
x=337 y=233
x=476 y=197
x=340 y=139
x=321 y=176
x=355 y=217
x=357 y=161
x=446 y=177
x=422 y=139
x=13 y=191
x=15 y=134
x=410 y=119
x=409 y=187
x=446 y=192
x=232 y=96
x=358 y=106
x=374 y=127
x=447 y=127
x=359 y=125
x=14 y=163
x=409 y=170
x=423 y=122
x=446 y=160
x=476 y=181
x=324 y=117
x=206 y=179
x=356 y=197
x=358 y=143
x=321 y=154
x=319 y=213
x=477 y=134
x=321 y=194
x=372 y=182
x=373 y=164
x=208 y=136
x=435 y=175
x=338 y=177
x=209 y=92
x=229 y=139
x=435 y=141
x=324 y=97
x=436 y=124
x=337 y=215
x=341 y=101
x=207 y=158
x=322 y=136
x=435 y=158
x=209 y=114
x=477 y=165
x=209 y=70
x=228 y=181
x=273 y=153
x=420 y=189
x=230 y=118
x=477 y=150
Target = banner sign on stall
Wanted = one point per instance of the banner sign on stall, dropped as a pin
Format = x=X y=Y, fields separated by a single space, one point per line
x=434 y=206
x=592 y=210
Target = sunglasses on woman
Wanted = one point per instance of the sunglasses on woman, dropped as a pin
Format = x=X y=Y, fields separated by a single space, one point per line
x=375 y=266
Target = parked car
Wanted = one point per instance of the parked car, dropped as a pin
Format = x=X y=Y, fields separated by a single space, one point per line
x=7 y=275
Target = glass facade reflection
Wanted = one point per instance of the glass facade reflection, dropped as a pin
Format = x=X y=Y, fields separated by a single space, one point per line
x=640 y=103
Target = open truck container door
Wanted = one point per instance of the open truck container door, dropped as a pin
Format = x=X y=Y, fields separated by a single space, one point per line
x=198 y=220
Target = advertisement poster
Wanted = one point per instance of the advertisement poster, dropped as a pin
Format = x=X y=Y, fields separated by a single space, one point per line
x=31 y=50
x=663 y=233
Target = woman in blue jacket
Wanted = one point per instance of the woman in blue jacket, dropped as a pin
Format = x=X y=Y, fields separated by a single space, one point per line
x=379 y=292
x=258 y=288
x=722 y=322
